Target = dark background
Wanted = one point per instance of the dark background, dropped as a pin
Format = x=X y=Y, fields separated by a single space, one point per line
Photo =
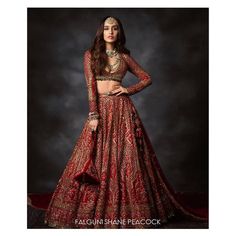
x=171 y=44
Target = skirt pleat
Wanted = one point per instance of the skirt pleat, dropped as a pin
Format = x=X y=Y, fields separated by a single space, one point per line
x=113 y=178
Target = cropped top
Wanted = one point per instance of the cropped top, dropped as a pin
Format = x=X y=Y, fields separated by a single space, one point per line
x=127 y=63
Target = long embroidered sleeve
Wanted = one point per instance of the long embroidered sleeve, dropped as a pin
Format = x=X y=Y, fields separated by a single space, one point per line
x=91 y=85
x=144 y=78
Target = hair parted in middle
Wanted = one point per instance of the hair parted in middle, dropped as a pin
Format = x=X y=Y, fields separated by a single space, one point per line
x=98 y=50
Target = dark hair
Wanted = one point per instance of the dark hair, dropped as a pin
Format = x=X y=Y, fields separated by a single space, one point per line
x=98 y=55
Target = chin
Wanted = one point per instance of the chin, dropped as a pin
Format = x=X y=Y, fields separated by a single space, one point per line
x=111 y=40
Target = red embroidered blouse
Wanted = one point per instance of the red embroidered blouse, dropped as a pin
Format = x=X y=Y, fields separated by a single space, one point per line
x=127 y=63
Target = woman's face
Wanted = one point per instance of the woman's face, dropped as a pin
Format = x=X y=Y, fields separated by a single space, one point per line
x=110 y=31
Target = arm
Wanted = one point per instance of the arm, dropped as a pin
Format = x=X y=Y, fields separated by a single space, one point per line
x=91 y=85
x=137 y=70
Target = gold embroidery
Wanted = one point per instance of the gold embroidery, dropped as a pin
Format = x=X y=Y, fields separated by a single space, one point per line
x=91 y=83
x=111 y=77
x=137 y=70
x=130 y=184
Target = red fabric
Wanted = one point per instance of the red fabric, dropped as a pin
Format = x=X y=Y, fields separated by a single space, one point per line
x=122 y=176
x=39 y=201
x=144 y=78
x=197 y=201
x=127 y=63
x=91 y=83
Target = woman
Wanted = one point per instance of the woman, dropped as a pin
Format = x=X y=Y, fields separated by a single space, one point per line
x=113 y=178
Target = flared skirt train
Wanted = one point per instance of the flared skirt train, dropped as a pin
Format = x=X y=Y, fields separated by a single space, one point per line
x=113 y=178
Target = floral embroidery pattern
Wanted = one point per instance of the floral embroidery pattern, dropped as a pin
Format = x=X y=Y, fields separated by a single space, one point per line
x=113 y=173
x=123 y=179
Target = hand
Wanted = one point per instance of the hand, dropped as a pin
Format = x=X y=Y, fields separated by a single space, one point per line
x=93 y=124
x=119 y=90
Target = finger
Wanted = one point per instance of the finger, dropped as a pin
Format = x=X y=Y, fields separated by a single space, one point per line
x=115 y=91
x=119 y=93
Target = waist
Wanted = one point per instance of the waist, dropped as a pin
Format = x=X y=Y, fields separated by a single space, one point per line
x=105 y=94
x=111 y=77
x=108 y=94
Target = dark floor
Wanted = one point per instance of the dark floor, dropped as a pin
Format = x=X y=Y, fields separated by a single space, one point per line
x=36 y=221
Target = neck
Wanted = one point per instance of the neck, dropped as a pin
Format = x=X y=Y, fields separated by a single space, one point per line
x=109 y=46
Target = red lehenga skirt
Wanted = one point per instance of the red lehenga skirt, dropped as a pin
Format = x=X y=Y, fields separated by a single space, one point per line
x=113 y=178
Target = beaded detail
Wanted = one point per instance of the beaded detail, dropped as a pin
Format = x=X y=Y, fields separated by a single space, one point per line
x=144 y=77
x=110 y=77
x=91 y=83
x=93 y=116
x=127 y=62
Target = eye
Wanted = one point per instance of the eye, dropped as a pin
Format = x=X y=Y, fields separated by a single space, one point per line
x=106 y=28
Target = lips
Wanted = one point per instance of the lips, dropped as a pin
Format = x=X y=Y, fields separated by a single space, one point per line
x=110 y=37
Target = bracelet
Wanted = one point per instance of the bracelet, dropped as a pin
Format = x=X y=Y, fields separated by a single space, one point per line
x=93 y=116
x=93 y=113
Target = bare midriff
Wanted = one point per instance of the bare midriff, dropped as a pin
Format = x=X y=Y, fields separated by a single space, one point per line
x=106 y=86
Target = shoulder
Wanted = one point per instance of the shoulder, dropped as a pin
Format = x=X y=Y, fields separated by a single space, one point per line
x=87 y=53
x=125 y=55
